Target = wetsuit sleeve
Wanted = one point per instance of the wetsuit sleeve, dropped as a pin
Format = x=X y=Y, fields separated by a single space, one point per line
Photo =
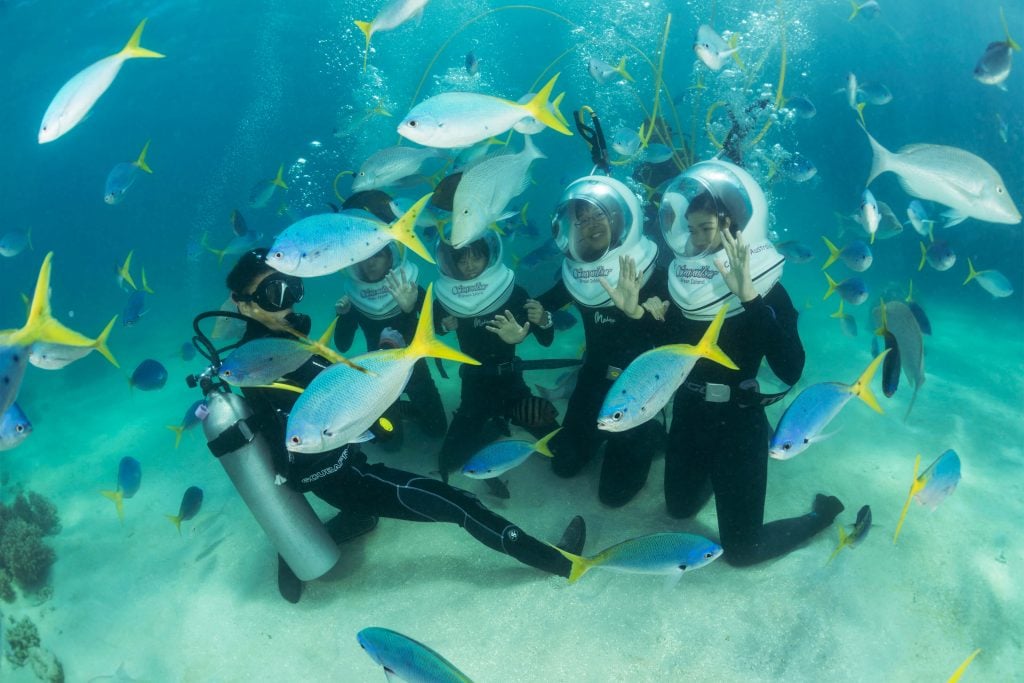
x=775 y=326
x=439 y=315
x=345 y=331
x=556 y=297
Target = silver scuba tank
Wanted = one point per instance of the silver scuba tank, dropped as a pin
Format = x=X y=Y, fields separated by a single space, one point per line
x=284 y=514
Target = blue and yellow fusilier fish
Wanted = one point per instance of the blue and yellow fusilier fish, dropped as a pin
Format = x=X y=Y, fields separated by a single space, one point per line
x=193 y=416
x=123 y=176
x=391 y=16
x=39 y=326
x=14 y=427
x=263 y=191
x=76 y=97
x=815 y=407
x=858 y=532
x=992 y=281
x=129 y=479
x=933 y=485
x=499 y=457
x=261 y=362
x=189 y=508
x=408 y=659
x=666 y=553
x=650 y=381
x=50 y=356
x=852 y=289
x=461 y=119
x=326 y=243
x=340 y=404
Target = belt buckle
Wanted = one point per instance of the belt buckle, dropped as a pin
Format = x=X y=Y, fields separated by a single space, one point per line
x=508 y=367
x=717 y=393
x=613 y=372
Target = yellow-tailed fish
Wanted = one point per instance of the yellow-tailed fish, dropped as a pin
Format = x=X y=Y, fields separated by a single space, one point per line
x=392 y=15
x=191 y=502
x=195 y=414
x=499 y=457
x=129 y=478
x=460 y=119
x=815 y=407
x=387 y=166
x=963 y=667
x=263 y=191
x=145 y=285
x=326 y=243
x=896 y=318
x=76 y=97
x=239 y=244
x=649 y=382
x=124 y=273
x=123 y=176
x=340 y=404
x=666 y=553
x=603 y=72
x=992 y=281
x=933 y=485
x=50 y=356
x=858 y=532
x=408 y=659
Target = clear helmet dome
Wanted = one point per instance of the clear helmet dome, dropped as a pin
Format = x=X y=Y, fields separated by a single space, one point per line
x=477 y=258
x=595 y=216
x=377 y=266
x=719 y=188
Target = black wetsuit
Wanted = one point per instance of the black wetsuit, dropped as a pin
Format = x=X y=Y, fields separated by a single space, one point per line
x=425 y=405
x=723 y=447
x=491 y=390
x=343 y=478
x=613 y=340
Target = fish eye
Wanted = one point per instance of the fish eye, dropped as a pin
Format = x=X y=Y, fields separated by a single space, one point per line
x=708 y=556
x=682 y=567
x=786 y=446
x=806 y=440
x=278 y=254
x=295 y=440
x=225 y=373
x=19 y=428
x=412 y=124
x=617 y=415
x=999 y=189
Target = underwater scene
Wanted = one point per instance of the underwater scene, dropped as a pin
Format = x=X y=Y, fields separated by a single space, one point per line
x=450 y=341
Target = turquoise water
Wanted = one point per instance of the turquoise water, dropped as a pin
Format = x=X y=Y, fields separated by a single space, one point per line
x=247 y=87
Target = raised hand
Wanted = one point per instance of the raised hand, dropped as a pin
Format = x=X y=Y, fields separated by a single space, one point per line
x=626 y=293
x=404 y=291
x=737 y=277
x=508 y=330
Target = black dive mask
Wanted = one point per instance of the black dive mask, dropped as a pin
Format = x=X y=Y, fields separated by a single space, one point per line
x=275 y=293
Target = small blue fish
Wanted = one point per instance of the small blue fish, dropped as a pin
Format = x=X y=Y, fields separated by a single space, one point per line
x=847 y=322
x=891 y=366
x=802 y=107
x=189 y=508
x=666 y=553
x=856 y=255
x=933 y=485
x=123 y=176
x=499 y=457
x=939 y=255
x=134 y=309
x=798 y=168
x=815 y=407
x=852 y=290
x=870 y=214
x=193 y=416
x=14 y=242
x=626 y=141
x=992 y=281
x=858 y=532
x=188 y=351
x=922 y=318
x=472 y=63
x=795 y=251
x=14 y=427
x=238 y=224
x=129 y=479
x=918 y=217
x=408 y=659
x=150 y=375
x=263 y=191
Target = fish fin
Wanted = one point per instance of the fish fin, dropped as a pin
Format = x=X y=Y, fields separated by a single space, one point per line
x=973 y=273
x=860 y=114
x=580 y=565
x=832 y=284
x=126 y=270
x=425 y=343
x=555 y=104
x=621 y=70
x=145 y=285
x=862 y=387
x=838 y=314
x=953 y=217
x=833 y=252
x=176 y=521
x=329 y=332
x=367 y=28
x=282 y=386
x=132 y=49
x=279 y=178
x=118 y=499
x=544 y=111
x=880 y=157
x=708 y=348
x=403 y=230
x=967 y=662
x=910 y=293
x=915 y=486
x=141 y=161
x=101 y=343
x=924 y=253
x=542 y=444
x=40 y=324
x=842 y=544
x=178 y=431
x=856 y=10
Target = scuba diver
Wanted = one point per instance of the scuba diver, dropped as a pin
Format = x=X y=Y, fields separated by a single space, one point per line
x=382 y=299
x=478 y=299
x=597 y=224
x=342 y=477
x=714 y=219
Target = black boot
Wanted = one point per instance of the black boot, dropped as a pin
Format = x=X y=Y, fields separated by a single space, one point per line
x=827 y=508
x=288 y=584
x=346 y=527
x=574 y=536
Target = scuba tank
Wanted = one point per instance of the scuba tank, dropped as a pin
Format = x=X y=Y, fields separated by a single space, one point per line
x=233 y=436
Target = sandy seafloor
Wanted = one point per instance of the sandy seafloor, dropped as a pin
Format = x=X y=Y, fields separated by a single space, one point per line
x=205 y=606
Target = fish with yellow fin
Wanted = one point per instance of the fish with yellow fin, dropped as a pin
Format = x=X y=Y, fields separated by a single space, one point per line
x=933 y=485
x=858 y=532
x=129 y=479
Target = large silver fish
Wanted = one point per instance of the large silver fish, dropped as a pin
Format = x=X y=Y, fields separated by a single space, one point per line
x=949 y=175
x=392 y=15
x=389 y=165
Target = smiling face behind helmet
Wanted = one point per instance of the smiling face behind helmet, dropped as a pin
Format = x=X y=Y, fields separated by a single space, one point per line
x=594 y=217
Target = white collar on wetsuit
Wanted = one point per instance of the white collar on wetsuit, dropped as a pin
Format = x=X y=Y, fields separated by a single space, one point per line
x=694 y=282
x=603 y=200
x=482 y=295
x=373 y=299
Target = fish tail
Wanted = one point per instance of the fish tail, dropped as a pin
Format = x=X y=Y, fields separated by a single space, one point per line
x=1009 y=41
x=404 y=229
x=145 y=285
x=856 y=9
x=580 y=565
x=101 y=343
x=126 y=270
x=621 y=69
x=279 y=178
x=832 y=284
x=542 y=444
x=329 y=332
x=924 y=252
x=178 y=431
x=176 y=521
x=880 y=156
x=133 y=49
x=862 y=387
x=40 y=324
x=973 y=273
x=838 y=314
x=708 y=347
x=914 y=488
x=967 y=662
x=833 y=252
x=425 y=343
x=367 y=28
x=555 y=104
x=843 y=542
x=544 y=111
x=118 y=499
x=910 y=293
x=141 y=161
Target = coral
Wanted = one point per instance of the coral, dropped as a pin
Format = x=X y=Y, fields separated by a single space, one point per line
x=46 y=666
x=37 y=511
x=21 y=637
x=6 y=587
x=24 y=554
